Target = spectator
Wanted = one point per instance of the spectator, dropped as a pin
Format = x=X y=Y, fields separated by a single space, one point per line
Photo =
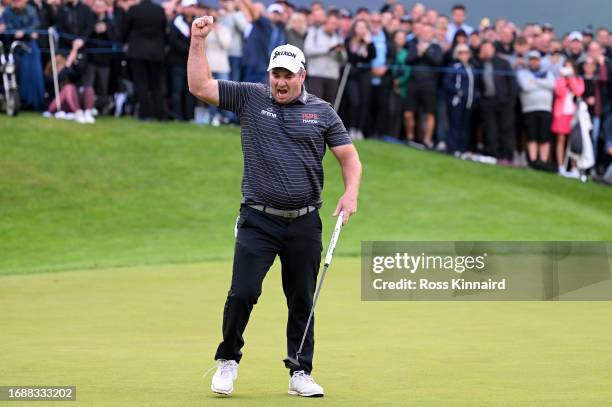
x=68 y=96
x=474 y=41
x=567 y=87
x=542 y=43
x=607 y=161
x=440 y=33
x=400 y=74
x=460 y=89
x=325 y=53
x=575 y=49
x=406 y=25
x=182 y=102
x=22 y=18
x=381 y=82
x=360 y=53
x=48 y=13
x=218 y=43
x=595 y=76
x=144 y=30
x=69 y=71
x=235 y=20
x=317 y=15
x=399 y=10
x=257 y=44
x=296 y=30
x=555 y=60
x=489 y=34
x=76 y=22
x=518 y=59
x=346 y=23
x=104 y=34
x=505 y=45
x=458 y=16
x=537 y=86
x=418 y=10
x=423 y=55
x=171 y=8
x=363 y=14
x=587 y=36
x=277 y=34
x=603 y=38
x=432 y=16
x=498 y=92
x=449 y=56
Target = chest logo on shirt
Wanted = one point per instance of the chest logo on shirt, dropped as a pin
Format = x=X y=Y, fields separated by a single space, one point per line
x=268 y=112
x=310 y=118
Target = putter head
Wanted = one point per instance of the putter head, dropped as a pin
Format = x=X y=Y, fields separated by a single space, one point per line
x=291 y=363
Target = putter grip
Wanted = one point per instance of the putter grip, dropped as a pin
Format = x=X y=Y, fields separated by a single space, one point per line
x=334 y=239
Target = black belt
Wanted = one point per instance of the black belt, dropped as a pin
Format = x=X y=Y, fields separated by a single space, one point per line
x=285 y=213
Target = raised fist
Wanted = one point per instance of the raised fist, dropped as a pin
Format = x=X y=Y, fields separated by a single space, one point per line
x=201 y=27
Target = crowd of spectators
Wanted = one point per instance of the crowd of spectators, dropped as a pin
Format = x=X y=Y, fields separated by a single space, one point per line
x=413 y=74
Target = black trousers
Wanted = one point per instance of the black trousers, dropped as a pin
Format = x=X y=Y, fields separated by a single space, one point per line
x=357 y=96
x=148 y=79
x=261 y=237
x=459 y=118
x=498 y=126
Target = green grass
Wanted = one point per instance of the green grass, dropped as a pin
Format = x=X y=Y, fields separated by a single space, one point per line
x=144 y=337
x=79 y=200
x=126 y=193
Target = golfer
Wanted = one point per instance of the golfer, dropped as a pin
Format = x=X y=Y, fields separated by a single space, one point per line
x=284 y=131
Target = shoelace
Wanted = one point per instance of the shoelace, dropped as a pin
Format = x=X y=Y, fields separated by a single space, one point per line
x=304 y=376
x=225 y=366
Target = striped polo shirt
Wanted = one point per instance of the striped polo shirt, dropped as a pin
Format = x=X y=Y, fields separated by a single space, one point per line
x=282 y=144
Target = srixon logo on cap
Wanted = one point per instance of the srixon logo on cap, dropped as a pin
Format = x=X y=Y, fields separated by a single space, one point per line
x=286 y=53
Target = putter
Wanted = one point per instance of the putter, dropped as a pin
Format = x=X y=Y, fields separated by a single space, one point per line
x=294 y=363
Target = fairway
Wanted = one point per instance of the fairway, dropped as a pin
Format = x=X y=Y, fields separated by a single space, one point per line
x=126 y=193
x=115 y=259
x=145 y=336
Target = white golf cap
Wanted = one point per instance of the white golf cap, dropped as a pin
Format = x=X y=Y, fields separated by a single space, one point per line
x=289 y=57
x=189 y=3
x=575 y=36
x=534 y=54
x=275 y=8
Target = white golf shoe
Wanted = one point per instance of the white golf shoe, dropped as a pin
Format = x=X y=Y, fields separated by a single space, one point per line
x=302 y=384
x=223 y=379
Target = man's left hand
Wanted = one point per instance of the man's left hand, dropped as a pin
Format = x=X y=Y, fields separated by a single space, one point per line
x=348 y=205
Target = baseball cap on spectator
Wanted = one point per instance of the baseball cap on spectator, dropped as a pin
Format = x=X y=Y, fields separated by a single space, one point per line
x=345 y=13
x=588 y=32
x=275 y=8
x=189 y=3
x=406 y=19
x=575 y=36
x=533 y=54
x=287 y=56
x=547 y=27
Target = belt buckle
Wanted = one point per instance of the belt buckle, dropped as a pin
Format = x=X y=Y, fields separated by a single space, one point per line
x=292 y=214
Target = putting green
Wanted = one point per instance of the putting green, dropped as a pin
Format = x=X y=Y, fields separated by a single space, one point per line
x=144 y=337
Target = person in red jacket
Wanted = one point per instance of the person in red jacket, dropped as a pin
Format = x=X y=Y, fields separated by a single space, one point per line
x=567 y=87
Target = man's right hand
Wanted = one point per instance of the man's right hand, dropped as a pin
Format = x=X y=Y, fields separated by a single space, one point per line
x=201 y=27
